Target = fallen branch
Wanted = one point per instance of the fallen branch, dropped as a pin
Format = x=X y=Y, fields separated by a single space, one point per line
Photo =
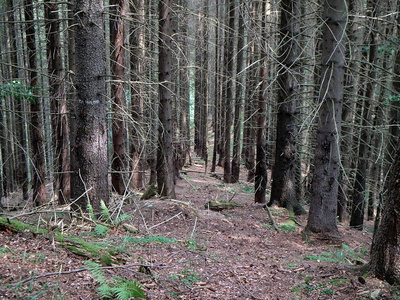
x=270 y=217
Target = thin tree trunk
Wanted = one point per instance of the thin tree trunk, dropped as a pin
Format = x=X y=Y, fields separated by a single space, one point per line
x=137 y=65
x=261 y=174
x=229 y=91
x=58 y=103
x=357 y=209
x=238 y=121
x=119 y=163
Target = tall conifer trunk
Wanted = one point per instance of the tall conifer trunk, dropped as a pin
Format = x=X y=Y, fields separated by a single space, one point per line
x=323 y=205
x=89 y=161
x=165 y=152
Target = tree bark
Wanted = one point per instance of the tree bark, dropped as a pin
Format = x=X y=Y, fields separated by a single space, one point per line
x=119 y=165
x=283 y=189
x=38 y=185
x=89 y=161
x=323 y=205
x=261 y=174
x=58 y=103
x=165 y=152
x=385 y=248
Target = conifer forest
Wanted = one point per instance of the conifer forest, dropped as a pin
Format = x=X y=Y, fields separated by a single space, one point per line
x=162 y=147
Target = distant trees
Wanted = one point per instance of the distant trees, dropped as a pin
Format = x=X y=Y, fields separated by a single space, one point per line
x=99 y=99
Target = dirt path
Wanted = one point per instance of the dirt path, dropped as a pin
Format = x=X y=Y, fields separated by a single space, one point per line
x=189 y=252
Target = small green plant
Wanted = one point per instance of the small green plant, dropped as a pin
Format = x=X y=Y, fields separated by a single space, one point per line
x=19 y=91
x=187 y=276
x=4 y=250
x=246 y=188
x=116 y=287
x=101 y=230
x=150 y=239
x=289 y=226
x=344 y=255
x=194 y=245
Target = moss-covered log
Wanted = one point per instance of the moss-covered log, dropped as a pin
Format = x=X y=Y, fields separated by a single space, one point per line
x=220 y=205
x=105 y=255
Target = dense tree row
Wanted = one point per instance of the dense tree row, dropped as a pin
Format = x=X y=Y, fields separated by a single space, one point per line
x=299 y=97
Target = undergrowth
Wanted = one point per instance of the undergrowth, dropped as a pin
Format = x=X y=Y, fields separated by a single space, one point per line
x=116 y=287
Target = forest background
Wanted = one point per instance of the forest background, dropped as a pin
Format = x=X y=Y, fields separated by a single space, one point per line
x=114 y=96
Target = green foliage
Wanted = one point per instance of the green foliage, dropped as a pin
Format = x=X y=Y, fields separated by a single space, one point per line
x=344 y=255
x=122 y=218
x=4 y=250
x=187 y=276
x=246 y=188
x=289 y=226
x=150 y=239
x=392 y=98
x=101 y=230
x=105 y=212
x=116 y=287
x=18 y=91
x=194 y=244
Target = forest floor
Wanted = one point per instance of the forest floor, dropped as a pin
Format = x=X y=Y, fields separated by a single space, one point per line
x=184 y=251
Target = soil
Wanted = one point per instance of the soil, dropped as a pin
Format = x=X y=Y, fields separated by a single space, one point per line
x=183 y=250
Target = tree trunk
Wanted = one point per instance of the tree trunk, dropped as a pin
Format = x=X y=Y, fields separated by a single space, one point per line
x=165 y=152
x=38 y=185
x=357 y=209
x=137 y=65
x=238 y=121
x=385 y=248
x=58 y=103
x=229 y=90
x=323 y=205
x=261 y=173
x=119 y=165
x=89 y=179
x=283 y=188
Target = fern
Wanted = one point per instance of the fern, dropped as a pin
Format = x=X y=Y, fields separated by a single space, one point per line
x=101 y=230
x=105 y=212
x=117 y=287
x=122 y=218
x=97 y=272
x=89 y=208
x=127 y=289
x=105 y=291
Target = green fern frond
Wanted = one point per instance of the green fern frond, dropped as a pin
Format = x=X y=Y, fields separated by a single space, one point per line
x=101 y=230
x=89 y=208
x=105 y=291
x=105 y=212
x=122 y=218
x=127 y=289
x=97 y=271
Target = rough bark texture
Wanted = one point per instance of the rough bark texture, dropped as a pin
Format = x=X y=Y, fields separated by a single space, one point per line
x=137 y=65
x=38 y=184
x=261 y=154
x=165 y=158
x=89 y=163
x=283 y=189
x=58 y=104
x=323 y=205
x=238 y=121
x=228 y=101
x=119 y=163
x=385 y=248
